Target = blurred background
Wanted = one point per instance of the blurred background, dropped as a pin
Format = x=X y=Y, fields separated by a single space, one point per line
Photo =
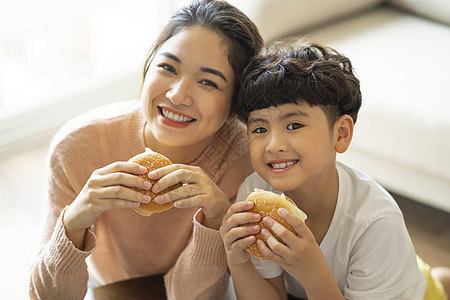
x=61 y=58
x=57 y=60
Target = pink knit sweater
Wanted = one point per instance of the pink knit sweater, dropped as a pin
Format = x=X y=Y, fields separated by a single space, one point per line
x=123 y=244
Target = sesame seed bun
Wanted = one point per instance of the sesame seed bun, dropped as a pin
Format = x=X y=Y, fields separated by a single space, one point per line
x=267 y=205
x=152 y=161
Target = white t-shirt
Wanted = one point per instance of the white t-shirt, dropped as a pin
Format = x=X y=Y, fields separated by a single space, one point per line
x=367 y=246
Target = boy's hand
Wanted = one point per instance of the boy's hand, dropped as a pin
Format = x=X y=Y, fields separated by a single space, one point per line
x=235 y=236
x=300 y=255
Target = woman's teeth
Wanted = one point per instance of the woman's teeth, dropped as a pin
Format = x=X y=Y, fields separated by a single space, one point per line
x=282 y=165
x=175 y=117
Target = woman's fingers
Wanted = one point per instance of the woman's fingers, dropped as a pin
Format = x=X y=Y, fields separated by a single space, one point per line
x=123 y=193
x=198 y=190
x=171 y=175
x=122 y=179
x=122 y=166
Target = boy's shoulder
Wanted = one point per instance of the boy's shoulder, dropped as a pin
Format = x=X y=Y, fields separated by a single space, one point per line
x=361 y=196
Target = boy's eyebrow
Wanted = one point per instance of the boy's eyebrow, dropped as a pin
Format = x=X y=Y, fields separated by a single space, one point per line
x=296 y=113
x=256 y=120
x=203 y=69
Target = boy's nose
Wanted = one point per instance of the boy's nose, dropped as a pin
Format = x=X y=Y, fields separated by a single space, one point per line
x=277 y=144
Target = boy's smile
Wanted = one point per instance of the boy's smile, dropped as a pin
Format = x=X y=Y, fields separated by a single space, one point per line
x=292 y=146
x=282 y=165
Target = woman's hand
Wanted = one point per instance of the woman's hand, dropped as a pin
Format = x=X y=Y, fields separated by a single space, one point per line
x=106 y=189
x=235 y=236
x=198 y=190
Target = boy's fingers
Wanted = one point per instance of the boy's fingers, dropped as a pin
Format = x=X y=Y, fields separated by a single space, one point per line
x=238 y=207
x=266 y=251
x=279 y=230
x=298 y=224
x=244 y=242
x=240 y=219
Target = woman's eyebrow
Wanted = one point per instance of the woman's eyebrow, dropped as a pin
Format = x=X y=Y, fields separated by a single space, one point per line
x=171 y=56
x=203 y=69
x=214 y=72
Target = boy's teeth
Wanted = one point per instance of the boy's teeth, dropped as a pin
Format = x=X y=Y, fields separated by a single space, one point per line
x=282 y=165
x=175 y=117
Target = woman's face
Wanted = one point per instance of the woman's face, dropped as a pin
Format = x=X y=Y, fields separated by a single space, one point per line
x=187 y=91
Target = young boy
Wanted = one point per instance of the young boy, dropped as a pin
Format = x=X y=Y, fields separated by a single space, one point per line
x=300 y=102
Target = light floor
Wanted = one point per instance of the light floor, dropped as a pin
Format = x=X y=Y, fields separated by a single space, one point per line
x=21 y=200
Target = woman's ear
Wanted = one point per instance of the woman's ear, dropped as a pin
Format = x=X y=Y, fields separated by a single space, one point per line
x=343 y=129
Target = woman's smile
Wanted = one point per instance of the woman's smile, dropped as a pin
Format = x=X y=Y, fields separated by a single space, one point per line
x=174 y=119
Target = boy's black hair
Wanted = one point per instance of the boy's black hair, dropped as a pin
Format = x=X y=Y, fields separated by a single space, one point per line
x=290 y=70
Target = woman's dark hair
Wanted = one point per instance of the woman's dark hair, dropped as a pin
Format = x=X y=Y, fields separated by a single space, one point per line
x=238 y=31
x=293 y=70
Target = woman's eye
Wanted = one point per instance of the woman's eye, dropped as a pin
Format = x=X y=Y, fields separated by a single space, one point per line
x=294 y=126
x=209 y=83
x=167 y=67
x=259 y=130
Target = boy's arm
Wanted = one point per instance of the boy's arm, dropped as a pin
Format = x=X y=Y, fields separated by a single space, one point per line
x=301 y=256
x=248 y=283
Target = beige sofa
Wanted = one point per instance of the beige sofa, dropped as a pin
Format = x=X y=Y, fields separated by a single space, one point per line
x=401 y=53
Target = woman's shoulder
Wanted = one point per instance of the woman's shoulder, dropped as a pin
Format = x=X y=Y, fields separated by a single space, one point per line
x=88 y=131
x=101 y=114
x=232 y=137
x=228 y=149
x=107 y=114
x=226 y=160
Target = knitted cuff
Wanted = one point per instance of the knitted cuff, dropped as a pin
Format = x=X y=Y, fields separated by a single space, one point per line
x=63 y=253
x=208 y=246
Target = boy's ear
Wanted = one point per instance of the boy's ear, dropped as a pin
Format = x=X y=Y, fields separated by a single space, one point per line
x=343 y=129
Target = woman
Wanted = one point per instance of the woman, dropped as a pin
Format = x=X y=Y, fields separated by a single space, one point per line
x=186 y=112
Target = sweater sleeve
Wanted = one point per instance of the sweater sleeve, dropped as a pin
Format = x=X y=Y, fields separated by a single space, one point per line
x=202 y=261
x=60 y=271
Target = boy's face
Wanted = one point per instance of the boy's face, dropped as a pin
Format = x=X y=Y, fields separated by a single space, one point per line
x=292 y=146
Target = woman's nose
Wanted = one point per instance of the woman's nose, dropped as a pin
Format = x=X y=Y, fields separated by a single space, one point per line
x=179 y=93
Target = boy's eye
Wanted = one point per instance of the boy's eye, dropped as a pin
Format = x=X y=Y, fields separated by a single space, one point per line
x=168 y=67
x=209 y=83
x=259 y=130
x=294 y=126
